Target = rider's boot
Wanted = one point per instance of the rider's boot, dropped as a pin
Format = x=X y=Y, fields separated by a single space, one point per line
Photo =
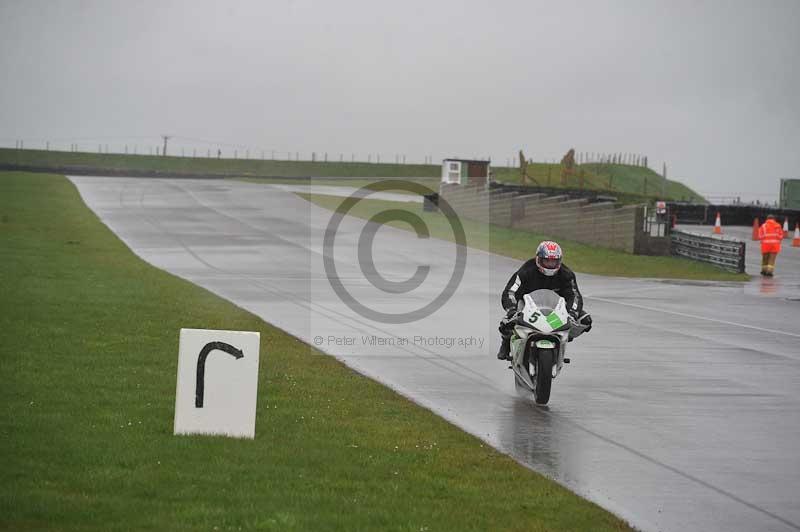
x=505 y=349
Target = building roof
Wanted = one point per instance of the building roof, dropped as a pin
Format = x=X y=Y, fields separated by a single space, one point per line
x=483 y=161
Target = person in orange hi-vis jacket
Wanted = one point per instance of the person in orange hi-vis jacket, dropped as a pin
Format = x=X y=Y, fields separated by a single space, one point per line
x=770 y=235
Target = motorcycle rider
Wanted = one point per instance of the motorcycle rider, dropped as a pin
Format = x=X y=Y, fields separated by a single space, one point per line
x=545 y=270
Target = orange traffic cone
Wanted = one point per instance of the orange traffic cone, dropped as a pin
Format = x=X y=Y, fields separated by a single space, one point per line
x=796 y=239
x=755 y=229
x=786 y=228
x=717 y=226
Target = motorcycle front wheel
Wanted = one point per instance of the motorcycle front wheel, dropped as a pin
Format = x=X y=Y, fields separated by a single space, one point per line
x=544 y=376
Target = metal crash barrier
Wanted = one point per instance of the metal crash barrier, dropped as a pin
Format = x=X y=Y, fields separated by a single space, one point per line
x=725 y=253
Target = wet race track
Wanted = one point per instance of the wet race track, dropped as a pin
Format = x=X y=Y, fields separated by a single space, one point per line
x=680 y=410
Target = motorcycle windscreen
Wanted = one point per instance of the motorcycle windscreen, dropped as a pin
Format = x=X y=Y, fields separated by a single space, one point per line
x=546 y=300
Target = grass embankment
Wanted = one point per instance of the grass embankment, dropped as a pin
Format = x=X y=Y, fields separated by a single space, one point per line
x=631 y=184
x=89 y=335
x=217 y=167
x=521 y=244
x=625 y=182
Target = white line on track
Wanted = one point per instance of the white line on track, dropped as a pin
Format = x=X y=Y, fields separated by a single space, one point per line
x=694 y=316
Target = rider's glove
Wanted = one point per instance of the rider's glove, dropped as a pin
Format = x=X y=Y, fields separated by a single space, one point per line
x=582 y=318
x=587 y=320
x=507 y=319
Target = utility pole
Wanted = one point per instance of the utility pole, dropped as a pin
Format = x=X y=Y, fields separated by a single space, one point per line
x=164 y=151
x=664 y=183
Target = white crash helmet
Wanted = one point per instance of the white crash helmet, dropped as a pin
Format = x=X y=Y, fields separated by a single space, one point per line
x=548 y=257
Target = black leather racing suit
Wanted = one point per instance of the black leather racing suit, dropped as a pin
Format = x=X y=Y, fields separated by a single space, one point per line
x=527 y=279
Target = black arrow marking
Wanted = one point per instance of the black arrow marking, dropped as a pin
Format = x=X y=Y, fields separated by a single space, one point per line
x=201 y=366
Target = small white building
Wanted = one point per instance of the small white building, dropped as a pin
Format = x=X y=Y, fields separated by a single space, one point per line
x=466 y=171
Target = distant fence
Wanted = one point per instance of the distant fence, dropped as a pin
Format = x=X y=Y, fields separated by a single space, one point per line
x=217 y=151
x=725 y=253
x=110 y=172
x=191 y=174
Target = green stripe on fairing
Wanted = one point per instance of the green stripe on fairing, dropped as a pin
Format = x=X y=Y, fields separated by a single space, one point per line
x=554 y=321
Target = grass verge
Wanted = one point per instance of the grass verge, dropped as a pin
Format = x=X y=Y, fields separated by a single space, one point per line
x=89 y=335
x=521 y=244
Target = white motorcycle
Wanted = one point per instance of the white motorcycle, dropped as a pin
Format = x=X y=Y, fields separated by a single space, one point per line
x=541 y=331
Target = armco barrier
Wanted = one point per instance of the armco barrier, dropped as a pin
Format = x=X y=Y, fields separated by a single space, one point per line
x=725 y=253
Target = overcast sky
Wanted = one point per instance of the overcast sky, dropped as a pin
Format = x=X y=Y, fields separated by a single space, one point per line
x=711 y=88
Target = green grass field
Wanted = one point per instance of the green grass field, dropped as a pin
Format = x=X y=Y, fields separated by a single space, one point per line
x=521 y=244
x=90 y=339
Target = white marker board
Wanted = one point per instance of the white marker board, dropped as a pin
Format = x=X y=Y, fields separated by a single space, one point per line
x=217 y=383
